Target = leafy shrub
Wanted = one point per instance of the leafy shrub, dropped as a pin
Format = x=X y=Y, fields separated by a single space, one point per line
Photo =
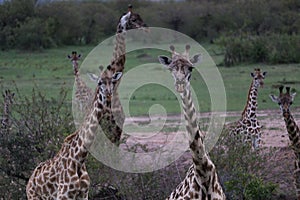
x=256 y=189
x=38 y=127
x=239 y=169
x=252 y=49
x=32 y=35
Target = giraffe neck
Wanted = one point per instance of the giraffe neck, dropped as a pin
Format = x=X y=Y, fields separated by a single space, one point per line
x=200 y=157
x=294 y=136
x=251 y=105
x=119 y=52
x=293 y=130
x=204 y=168
x=89 y=127
x=82 y=90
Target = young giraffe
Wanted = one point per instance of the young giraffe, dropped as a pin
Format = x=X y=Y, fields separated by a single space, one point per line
x=248 y=126
x=201 y=181
x=83 y=94
x=65 y=176
x=285 y=101
x=8 y=97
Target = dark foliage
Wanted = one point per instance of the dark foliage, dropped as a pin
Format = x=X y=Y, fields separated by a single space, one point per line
x=244 y=27
x=39 y=125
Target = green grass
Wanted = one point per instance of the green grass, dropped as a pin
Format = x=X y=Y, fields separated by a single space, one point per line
x=50 y=70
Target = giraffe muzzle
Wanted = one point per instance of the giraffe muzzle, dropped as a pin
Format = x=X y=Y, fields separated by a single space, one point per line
x=180 y=87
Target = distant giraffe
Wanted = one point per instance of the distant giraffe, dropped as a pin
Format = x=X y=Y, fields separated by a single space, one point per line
x=201 y=181
x=83 y=94
x=285 y=101
x=65 y=175
x=248 y=126
x=8 y=97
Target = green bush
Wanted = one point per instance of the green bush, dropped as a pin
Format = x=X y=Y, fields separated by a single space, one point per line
x=39 y=125
x=270 y=49
x=239 y=168
x=256 y=189
x=249 y=187
x=32 y=35
x=89 y=22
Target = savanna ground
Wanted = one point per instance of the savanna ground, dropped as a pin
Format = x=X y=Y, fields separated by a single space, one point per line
x=50 y=70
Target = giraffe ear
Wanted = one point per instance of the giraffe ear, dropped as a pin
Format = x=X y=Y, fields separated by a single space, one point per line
x=274 y=98
x=69 y=56
x=264 y=73
x=165 y=60
x=252 y=74
x=196 y=59
x=93 y=77
x=117 y=76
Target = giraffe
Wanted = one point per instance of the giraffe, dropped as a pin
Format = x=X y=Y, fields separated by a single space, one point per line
x=8 y=97
x=285 y=100
x=201 y=181
x=65 y=176
x=83 y=94
x=248 y=126
x=113 y=122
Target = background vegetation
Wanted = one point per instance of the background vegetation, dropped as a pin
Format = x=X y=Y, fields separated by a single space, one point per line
x=247 y=31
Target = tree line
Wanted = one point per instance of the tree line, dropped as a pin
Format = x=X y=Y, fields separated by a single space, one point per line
x=235 y=25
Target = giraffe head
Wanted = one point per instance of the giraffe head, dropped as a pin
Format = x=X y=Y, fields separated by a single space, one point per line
x=284 y=100
x=258 y=78
x=130 y=20
x=74 y=58
x=106 y=84
x=181 y=66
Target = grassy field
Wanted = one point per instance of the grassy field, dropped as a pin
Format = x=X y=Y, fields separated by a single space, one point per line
x=50 y=70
